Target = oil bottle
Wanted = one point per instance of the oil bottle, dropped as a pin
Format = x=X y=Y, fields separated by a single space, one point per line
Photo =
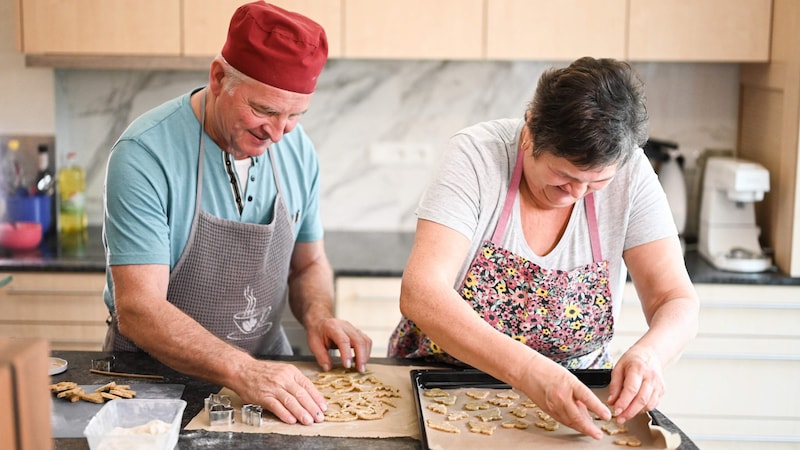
x=72 y=198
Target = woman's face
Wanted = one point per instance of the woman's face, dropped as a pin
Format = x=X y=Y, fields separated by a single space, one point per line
x=555 y=182
x=252 y=115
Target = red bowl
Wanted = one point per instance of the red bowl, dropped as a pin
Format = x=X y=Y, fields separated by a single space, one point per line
x=20 y=235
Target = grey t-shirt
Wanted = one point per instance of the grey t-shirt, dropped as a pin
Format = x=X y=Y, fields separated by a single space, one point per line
x=469 y=189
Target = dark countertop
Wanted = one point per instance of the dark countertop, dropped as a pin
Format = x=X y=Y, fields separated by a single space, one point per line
x=53 y=256
x=196 y=391
x=352 y=253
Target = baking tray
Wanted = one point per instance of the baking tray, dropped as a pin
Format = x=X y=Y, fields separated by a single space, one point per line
x=423 y=379
x=466 y=378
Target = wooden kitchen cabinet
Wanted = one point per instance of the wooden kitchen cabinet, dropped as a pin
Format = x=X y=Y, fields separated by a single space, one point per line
x=100 y=27
x=373 y=305
x=562 y=30
x=699 y=30
x=417 y=29
x=205 y=22
x=637 y=30
x=769 y=127
x=410 y=29
x=67 y=309
x=183 y=33
x=733 y=387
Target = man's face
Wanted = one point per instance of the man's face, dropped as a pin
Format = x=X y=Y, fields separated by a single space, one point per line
x=251 y=115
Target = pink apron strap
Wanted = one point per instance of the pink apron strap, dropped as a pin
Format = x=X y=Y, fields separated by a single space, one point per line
x=511 y=195
x=594 y=234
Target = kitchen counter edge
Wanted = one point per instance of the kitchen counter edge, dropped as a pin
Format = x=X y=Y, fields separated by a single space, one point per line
x=195 y=391
x=358 y=254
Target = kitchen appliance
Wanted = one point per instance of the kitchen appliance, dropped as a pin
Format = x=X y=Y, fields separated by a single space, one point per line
x=728 y=235
x=667 y=161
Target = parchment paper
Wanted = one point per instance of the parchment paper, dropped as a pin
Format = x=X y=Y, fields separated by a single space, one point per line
x=651 y=437
x=398 y=422
x=404 y=422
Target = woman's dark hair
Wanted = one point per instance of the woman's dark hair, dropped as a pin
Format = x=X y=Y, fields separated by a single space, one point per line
x=591 y=113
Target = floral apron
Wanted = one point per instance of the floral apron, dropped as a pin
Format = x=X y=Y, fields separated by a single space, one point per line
x=565 y=315
x=231 y=277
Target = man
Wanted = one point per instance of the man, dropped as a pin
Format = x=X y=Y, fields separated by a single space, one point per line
x=211 y=215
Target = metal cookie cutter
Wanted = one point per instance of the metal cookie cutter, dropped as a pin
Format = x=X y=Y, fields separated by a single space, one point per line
x=105 y=364
x=220 y=411
x=217 y=399
x=251 y=415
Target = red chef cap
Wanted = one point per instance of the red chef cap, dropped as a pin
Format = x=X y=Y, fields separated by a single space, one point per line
x=280 y=48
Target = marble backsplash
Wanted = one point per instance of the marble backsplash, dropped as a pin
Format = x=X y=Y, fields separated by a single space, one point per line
x=379 y=126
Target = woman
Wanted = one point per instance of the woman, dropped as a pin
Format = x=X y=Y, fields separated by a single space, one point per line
x=533 y=222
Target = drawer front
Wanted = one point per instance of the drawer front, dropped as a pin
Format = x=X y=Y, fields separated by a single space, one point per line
x=55 y=308
x=728 y=432
x=35 y=283
x=62 y=336
x=373 y=305
x=67 y=309
x=721 y=380
x=733 y=387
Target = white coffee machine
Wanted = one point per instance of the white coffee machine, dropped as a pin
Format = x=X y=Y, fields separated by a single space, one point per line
x=728 y=234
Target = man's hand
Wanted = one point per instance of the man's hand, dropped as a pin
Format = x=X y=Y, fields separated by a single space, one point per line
x=339 y=334
x=282 y=389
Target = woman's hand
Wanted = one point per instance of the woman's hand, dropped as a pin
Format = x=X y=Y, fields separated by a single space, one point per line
x=559 y=393
x=637 y=383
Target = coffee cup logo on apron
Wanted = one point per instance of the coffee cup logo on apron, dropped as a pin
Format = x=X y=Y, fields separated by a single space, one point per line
x=251 y=322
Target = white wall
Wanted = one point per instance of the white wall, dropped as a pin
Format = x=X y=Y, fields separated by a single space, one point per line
x=365 y=109
x=27 y=95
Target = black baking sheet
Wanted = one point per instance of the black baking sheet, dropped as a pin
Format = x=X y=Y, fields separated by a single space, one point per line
x=465 y=378
x=422 y=379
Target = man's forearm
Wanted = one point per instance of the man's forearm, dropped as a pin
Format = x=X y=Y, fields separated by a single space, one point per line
x=179 y=342
x=311 y=293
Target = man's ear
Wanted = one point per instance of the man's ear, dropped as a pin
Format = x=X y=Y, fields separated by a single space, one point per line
x=216 y=76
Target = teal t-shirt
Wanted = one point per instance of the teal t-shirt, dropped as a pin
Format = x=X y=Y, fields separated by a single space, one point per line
x=151 y=180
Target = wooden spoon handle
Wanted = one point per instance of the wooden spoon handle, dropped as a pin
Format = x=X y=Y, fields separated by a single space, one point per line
x=126 y=375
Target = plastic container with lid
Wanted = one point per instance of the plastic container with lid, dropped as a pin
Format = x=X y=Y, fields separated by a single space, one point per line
x=148 y=424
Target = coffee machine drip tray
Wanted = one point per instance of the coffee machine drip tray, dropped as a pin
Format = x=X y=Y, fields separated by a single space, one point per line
x=741 y=260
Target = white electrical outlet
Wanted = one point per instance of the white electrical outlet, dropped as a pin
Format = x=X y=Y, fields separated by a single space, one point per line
x=396 y=152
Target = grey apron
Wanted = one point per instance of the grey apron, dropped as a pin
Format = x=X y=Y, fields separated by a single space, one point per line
x=232 y=276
